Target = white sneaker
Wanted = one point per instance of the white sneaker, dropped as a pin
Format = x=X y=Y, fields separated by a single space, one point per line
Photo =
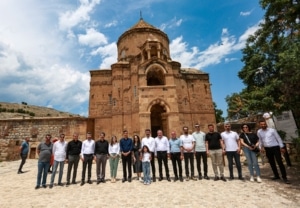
x=258 y=179
x=140 y=179
x=251 y=179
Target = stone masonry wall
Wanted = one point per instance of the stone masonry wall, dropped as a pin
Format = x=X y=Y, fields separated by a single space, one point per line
x=13 y=132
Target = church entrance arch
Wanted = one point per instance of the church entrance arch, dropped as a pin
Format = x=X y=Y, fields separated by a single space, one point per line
x=158 y=119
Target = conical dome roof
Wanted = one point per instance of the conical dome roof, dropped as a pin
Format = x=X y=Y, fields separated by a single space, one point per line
x=143 y=26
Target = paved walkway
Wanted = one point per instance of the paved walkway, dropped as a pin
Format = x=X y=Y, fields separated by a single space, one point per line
x=17 y=190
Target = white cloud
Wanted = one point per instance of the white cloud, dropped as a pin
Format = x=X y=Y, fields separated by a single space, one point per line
x=230 y=59
x=72 y=18
x=111 y=24
x=92 y=38
x=180 y=52
x=171 y=24
x=108 y=54
x=247 y=13
x=243 y=38
x=37 y=64
x=214 y=54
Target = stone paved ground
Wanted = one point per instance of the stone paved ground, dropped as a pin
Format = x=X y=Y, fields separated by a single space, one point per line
x=17 y=190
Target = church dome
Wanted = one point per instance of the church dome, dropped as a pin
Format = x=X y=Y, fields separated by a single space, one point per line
x=130 y=42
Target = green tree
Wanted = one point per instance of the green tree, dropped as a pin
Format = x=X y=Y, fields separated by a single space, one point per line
x=218 y=114
x=271 y=69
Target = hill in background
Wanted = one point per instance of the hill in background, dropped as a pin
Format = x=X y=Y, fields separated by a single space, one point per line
x=23 y=110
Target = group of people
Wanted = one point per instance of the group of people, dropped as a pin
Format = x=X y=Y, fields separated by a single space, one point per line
x=138 y=155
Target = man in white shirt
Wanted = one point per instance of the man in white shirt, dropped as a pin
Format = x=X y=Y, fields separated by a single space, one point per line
x=188 y=146
x=87 y=156
x=162 y=152
x=200 y=150
x=232 y=146
x=271 y=143
x=149 y=141
x=59 y=151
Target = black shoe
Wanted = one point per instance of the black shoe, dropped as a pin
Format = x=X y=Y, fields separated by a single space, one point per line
x=241 y=178
x=206 y=177
x=187 y=178
x=275 y=178
x=223 y=178
x=216 y=178
x=160 y=178
x=169 y=179
x=60 y=184
x=154 y=179
x=98 y=182
x=103 y=180
x=44 y=186
x=82 y=183
x=123 y=180
x=51 y=186
x=37 y=187
x=20 y=172
x=193 y=178
x=68 y=183
x=74 y=182
x=49 y=171
x=175 y=179
x=200 y=177
x=231 y=178
x=129 y=180
x=89 y=182
x=181 y=179
x=286 y=181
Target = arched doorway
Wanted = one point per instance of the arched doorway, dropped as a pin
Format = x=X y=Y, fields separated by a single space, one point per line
x=158 y=119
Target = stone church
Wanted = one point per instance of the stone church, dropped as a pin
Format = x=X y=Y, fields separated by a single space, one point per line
x=145 y=88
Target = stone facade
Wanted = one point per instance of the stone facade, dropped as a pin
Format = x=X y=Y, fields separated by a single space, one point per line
x=13 y=132
x=146 y=89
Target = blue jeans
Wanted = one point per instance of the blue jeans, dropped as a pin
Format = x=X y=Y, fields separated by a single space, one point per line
x=230 y=156
x=43 y=168
x=61 y=169
x=146 y=171
x=252 y=161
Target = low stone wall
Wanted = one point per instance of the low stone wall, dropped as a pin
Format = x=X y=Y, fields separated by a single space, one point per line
x=13 y=132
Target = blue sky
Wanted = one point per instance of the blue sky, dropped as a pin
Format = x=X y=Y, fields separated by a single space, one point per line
x=48 y=47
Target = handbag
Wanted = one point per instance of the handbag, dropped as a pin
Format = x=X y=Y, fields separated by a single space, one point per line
x=256 y=149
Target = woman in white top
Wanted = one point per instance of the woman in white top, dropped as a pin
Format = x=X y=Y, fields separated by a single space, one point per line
x=114 y=154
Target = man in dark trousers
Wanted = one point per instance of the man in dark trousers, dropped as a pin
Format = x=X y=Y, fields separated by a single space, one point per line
x=87 y=156
x=73 y=156
x=126 y=146
x=176 y=155
x=101 y=155
x=271 y=143
x=24 y=149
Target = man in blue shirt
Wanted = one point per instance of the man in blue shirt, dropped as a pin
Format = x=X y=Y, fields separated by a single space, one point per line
x=126 y=146
x=24 y=149
x=176 y=155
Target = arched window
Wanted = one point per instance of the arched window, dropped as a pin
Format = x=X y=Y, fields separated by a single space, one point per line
x=155 y=76
x=153 y=51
